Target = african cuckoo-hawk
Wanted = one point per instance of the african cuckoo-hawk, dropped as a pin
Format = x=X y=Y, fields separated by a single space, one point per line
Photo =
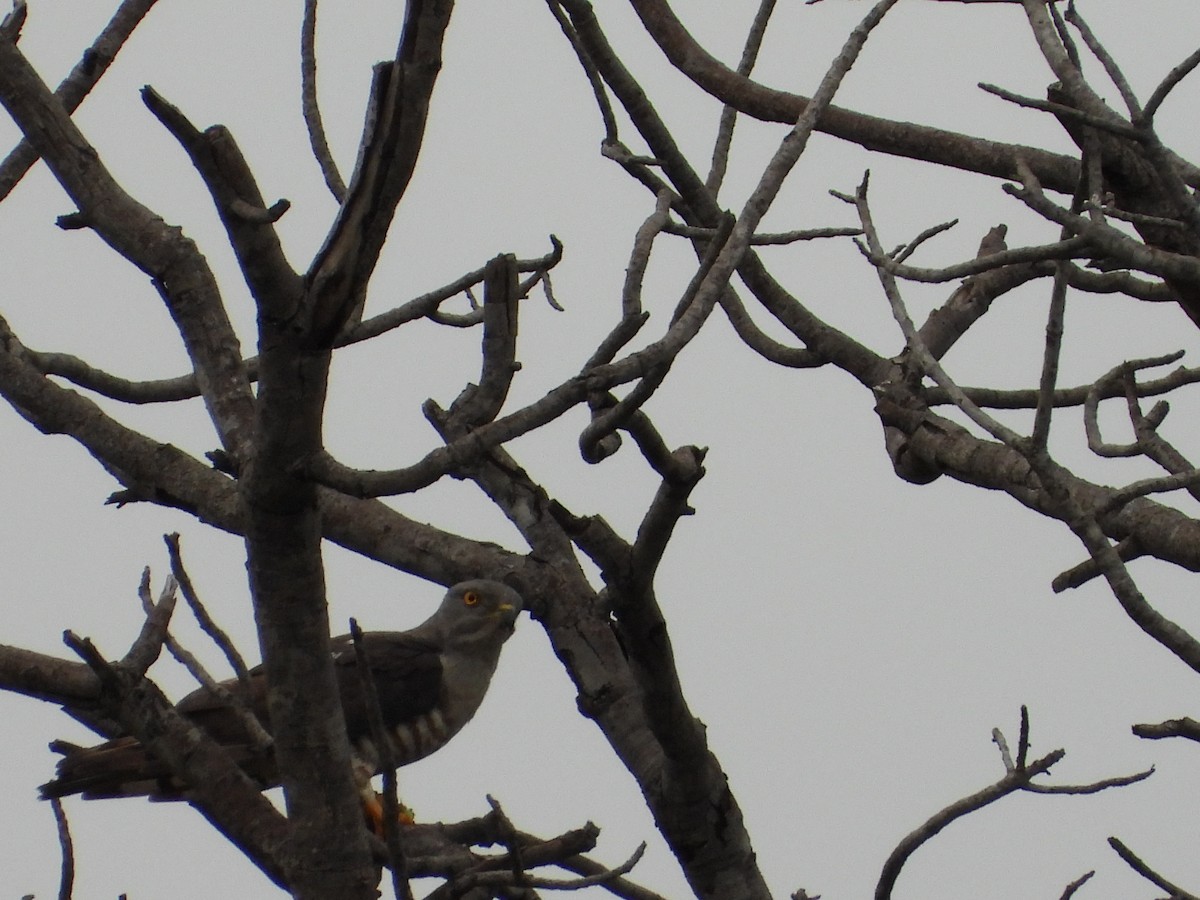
x=429 y=680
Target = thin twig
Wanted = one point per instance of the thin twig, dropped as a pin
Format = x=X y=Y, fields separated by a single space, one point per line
x=589 y=868
x=1114 y=126
x=548 y=291
x=920 y=354
x=1177 y=640
x=904 y=252
x=1153 y=444
x=605 y=423
x=1091 y=406
x=1070 y=890
x=765 y=238
x=1011 y=782
x=1105 y=58
x=311 y=106
x=1135 y=862
x=207 y=623
x=1001 y=743
x=991 y=398
x=1071 y=248
x=1094 y=787
x=1148 y=486
x=497 y=879
x=761 y=343
x=149 y=642
x=510 y=837
x=1023 y=740
x=1168 y=84
x=590 y=70
x=238 y=702
x=387 y=763
x=1050 y=359
x=639 y=256
x=1127 y=549
x=1089 y=184
x=1131 y=217
x=729 y=113
x=66 y=880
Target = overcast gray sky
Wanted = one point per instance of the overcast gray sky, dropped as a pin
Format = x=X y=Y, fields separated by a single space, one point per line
x=850 y=640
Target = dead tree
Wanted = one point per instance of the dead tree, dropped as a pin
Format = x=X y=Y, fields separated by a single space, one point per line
x=1126 y=222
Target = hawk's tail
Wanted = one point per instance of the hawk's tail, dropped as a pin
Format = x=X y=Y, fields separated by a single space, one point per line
x=116 y=768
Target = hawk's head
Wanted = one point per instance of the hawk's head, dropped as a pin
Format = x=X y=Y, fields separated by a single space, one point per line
x=474 y=613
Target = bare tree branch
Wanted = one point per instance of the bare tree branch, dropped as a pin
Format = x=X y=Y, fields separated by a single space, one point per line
x=179 y=271
x=1092 y=404
x=392 y=138
x=66 y=881
x=1168 y=84
x=154 y=634
x=1135 y=862
x=219 y=789
x=1091 y=184
x=397 y=858
x=312 y=107
x=260 y=738
x=1132 y=229
x=183 y=387
x=899 y=138
x=1014 y=780
x=1068 y=248
x=206 y=621
x=1077 y=576
x=1186 y=727
x=1105 y=123
x=1072 y=396
x=724 y=140
x=1070 y=890
x=14 y=21
x=240 y=204
x=76 y=86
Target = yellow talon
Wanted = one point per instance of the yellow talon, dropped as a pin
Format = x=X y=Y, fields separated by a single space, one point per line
x=372 y=804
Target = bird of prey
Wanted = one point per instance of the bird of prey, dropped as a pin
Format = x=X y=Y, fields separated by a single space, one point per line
x=430 y=681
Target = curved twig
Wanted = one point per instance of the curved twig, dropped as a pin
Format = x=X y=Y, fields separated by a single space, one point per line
x=1107 y=382
x=724 y=139
x=1168 y=84
x=885 y=136
x=993 y=398
x=1069 y=248
x=1013 y=781
x=311 y=105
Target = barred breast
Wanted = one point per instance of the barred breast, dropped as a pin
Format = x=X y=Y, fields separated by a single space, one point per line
x=411 y=740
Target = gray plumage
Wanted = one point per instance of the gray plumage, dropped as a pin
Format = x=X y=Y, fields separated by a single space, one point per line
x=430 y=681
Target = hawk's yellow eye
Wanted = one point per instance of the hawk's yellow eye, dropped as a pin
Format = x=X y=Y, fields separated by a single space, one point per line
x=470 y=598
